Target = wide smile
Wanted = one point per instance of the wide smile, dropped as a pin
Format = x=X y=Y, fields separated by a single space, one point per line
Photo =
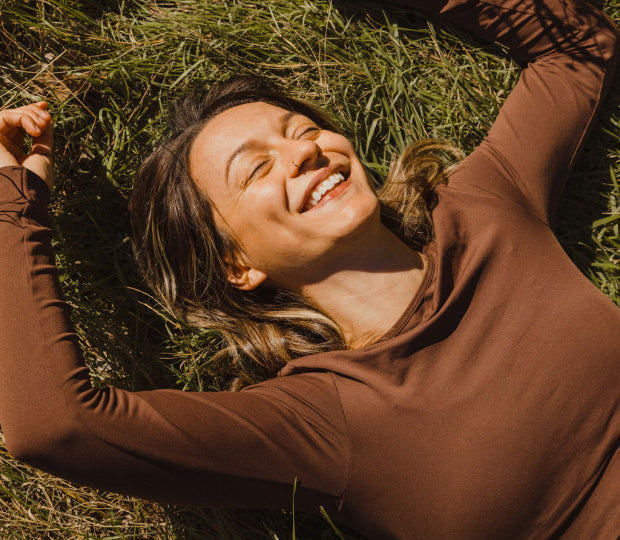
x=326 y=189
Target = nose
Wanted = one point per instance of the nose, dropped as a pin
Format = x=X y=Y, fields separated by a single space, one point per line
x=302 y=156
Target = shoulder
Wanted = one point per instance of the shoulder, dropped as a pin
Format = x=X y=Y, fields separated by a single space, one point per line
x=483 y=195
x=311 y=394
x=306 y=409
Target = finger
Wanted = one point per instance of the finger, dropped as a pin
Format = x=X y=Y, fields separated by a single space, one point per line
x=44 y=144
x=36 y=106
x=34 y=122
x=30 y=118
x=40 y=159
x=30 y=125
x=11 y=122
x=40 y=108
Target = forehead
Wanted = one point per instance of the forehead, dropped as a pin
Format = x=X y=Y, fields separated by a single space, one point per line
x=230 y=129
x=246 y=116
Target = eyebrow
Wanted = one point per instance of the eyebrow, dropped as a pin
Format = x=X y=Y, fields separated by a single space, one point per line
x=248 y=144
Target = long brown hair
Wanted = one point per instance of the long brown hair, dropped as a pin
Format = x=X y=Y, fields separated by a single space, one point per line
x=181 y=252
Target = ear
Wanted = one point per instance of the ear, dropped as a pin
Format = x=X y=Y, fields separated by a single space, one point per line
x=244 y=277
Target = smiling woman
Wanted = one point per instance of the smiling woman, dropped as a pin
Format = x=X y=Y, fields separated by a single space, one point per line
x=428 y=363
x=237 y=179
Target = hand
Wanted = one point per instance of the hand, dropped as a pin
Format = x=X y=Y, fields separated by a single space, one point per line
x=15 y=124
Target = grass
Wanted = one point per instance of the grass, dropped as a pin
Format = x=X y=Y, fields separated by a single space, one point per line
x=110 y=68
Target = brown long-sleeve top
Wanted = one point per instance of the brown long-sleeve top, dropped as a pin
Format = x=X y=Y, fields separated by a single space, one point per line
x=490 y=410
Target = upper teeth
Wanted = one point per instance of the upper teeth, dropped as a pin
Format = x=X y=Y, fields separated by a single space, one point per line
x=324 y=187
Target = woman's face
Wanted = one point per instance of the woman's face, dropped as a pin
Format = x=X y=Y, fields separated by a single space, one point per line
x=263 y=168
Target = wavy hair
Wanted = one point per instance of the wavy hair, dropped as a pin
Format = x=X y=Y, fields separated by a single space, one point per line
x=181 y=253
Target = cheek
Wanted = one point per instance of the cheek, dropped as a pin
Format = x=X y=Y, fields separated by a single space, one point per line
x=254 y=217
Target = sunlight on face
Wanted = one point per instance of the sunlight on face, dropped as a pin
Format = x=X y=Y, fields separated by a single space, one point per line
x=292 y=194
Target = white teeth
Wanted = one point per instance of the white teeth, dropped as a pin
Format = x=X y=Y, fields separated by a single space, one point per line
x=324 y=187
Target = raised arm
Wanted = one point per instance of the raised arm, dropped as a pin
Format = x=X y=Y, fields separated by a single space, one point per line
x=221 y=449
x=568 y=50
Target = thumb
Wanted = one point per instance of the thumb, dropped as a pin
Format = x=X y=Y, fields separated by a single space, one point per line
x=40 y=158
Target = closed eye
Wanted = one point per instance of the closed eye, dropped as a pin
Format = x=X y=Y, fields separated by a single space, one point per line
x=309 y=131
x=256 y=171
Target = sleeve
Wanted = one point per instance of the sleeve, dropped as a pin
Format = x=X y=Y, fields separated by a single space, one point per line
x=230 y=449
x=568 y=50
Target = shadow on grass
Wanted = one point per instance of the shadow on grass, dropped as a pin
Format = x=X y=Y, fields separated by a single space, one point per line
x=198 y=524
x=589 y=186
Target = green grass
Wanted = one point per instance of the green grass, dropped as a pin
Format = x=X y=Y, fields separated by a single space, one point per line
x=109 y=70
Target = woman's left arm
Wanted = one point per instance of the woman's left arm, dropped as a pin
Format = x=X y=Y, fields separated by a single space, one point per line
x=568 y=49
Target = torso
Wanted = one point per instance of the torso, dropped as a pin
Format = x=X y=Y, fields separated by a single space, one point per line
x=493 y=410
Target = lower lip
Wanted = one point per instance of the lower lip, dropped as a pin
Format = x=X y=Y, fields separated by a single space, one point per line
x=332 y=194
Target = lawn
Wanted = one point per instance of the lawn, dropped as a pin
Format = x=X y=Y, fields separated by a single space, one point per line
x=109 y=69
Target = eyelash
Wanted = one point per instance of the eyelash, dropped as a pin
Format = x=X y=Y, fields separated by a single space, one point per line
x=259 y=167
x=310 y=129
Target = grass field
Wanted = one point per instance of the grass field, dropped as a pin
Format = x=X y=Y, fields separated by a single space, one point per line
x=109 y=70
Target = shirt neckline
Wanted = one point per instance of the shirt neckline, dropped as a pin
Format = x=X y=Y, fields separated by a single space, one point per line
x=398 y=327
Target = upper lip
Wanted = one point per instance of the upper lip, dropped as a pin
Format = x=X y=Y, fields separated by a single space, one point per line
x=321 y=175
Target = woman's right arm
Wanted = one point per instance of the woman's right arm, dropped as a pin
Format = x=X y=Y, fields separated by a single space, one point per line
x=222 y=449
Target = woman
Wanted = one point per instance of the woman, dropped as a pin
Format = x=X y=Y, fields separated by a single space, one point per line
x=207 y=277
x=471 y=386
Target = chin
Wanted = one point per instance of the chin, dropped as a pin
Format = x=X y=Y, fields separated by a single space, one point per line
x=360 y=219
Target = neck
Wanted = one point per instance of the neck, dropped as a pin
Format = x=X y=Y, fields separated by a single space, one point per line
x=369 y=289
